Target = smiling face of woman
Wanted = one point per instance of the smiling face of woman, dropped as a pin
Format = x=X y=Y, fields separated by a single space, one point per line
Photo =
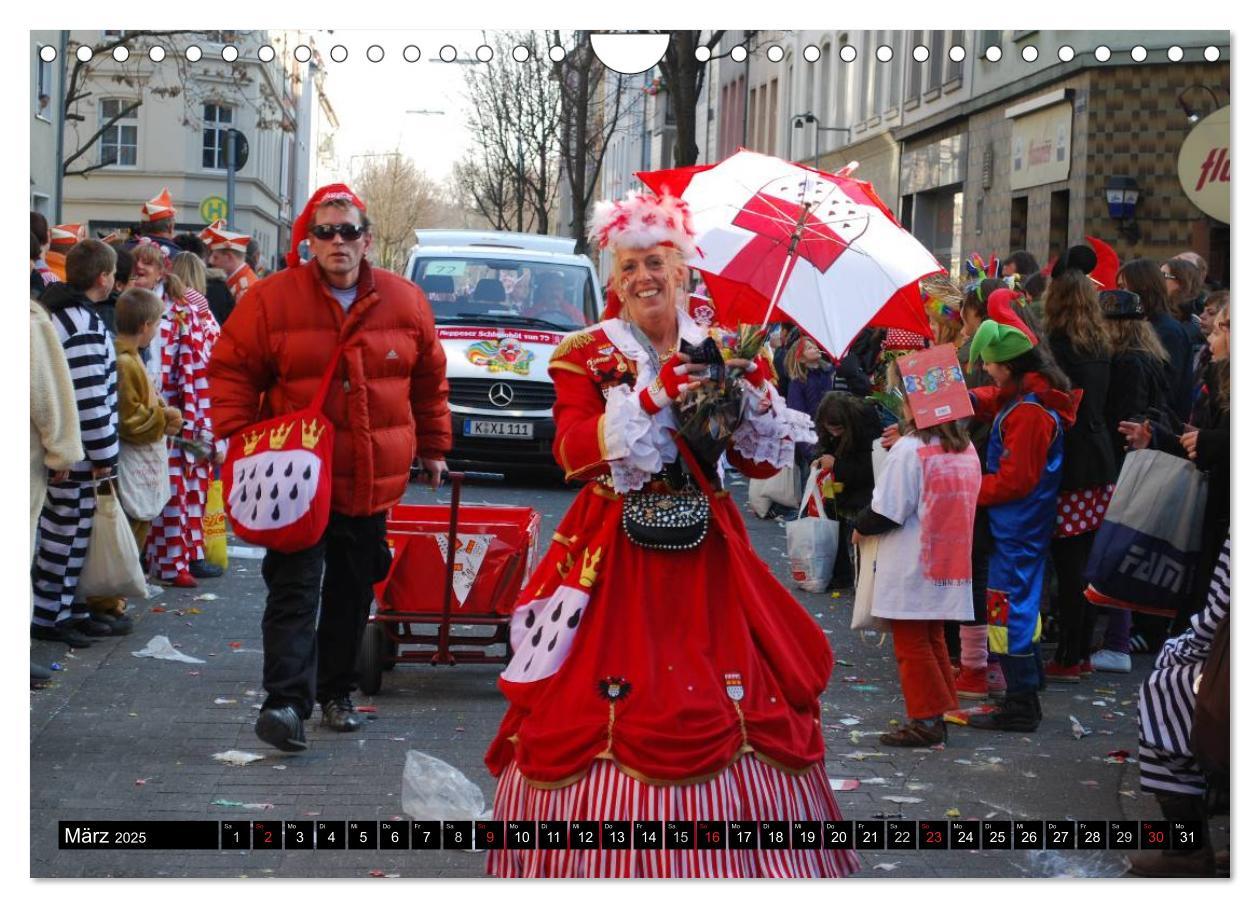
x=145 y=274
x=647 y=280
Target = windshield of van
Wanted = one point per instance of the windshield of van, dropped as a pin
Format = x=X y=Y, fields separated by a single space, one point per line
x=505 y=291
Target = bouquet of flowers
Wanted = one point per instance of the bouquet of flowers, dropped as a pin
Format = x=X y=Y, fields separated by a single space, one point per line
x=709 y=415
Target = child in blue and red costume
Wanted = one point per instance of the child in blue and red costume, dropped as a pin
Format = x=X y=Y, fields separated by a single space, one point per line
x=1030 y=405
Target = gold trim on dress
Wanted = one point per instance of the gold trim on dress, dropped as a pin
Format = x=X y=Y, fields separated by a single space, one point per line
x=743 y=751
x=566 y=366
x=572 y=342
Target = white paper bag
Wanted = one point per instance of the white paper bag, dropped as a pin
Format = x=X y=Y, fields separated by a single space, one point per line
x=144 y=479
x=864 y=595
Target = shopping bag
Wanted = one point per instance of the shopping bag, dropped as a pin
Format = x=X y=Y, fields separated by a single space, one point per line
x=825 y=486
x=879 y=457
x=278 y=476
x=812 y=542
x=1144 y=553
x=864 y=595
x=144 y=478
x=214 y=525
x=112 y=566
x=781 y=488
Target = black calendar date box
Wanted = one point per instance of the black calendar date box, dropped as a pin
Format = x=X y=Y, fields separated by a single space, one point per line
x=521 y=835
x=900 y=835
x=933 y=835
x=807 y=835
x=426 y=835
x=553 y=834
x=584 y=835
x=299 y=835
x=869 y=835
x=457 y=834
x=742 y=835
x=1029 y=835
x=774 y=835
x=649 y=835
x=995 y=834
x=964 y=835
x=711 y=835
x=1091 y=835
x=1186 y=835
x=395 y=835
x=1061 y=835
x=233 y=834
x=838 y=834
x=361 y=834
x=680 y=835
x=488 y=834
x=1122 y=835
x=1155 y=835
x=266 y=835
x=615 y=835
x=330 y=834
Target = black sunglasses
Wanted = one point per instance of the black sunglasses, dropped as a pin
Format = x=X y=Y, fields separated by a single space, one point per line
x=328 y=231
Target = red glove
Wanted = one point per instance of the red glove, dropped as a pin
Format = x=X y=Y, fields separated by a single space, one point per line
x=665 y=387
x=755 y=374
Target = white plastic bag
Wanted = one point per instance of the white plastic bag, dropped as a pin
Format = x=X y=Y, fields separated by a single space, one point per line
x=433 y=790
x=812 y=542
x=112 y=566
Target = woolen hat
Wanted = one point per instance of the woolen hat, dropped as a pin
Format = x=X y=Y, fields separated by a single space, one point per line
x=997 y=343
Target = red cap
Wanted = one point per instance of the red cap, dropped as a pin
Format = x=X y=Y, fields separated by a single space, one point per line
x=1001 y=308
x=324 y=194
x=1108 y=267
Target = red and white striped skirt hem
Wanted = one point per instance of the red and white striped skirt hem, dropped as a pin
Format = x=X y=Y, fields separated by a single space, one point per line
x=748 y=790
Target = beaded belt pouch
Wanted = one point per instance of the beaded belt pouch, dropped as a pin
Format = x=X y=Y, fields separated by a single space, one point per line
x=668 y=522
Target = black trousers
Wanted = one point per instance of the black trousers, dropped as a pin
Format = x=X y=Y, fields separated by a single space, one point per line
x=1076 y=614
x=318 y=601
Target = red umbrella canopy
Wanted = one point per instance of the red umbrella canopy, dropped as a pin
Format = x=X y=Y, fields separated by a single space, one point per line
x=781 y=241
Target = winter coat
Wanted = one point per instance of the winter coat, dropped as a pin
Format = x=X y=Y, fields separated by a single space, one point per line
x=804 y=395
x=55 y=441
x=1028 y=431
x=1180 y=366
x=141 y=417
x=1088 y=456
x=218 y=295
x=388 y=400
x=853 y=472
x=1138 y=385
x=1212 y=458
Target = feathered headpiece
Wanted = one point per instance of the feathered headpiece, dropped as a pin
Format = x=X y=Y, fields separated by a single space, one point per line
x=941 y=297
x=642 y=220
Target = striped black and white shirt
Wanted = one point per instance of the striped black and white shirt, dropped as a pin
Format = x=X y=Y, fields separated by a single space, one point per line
x=94 y=371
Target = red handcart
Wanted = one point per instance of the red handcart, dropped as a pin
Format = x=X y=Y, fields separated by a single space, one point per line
x=484 y=553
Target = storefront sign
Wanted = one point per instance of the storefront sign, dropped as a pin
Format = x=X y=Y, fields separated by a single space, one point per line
x=1203 y=165
x=1041 y=147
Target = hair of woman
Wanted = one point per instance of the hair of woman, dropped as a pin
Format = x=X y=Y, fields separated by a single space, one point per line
x=1072 y=310
x=838 y=408
x=190 y=269
x=1189 y=286
x=1144 y=278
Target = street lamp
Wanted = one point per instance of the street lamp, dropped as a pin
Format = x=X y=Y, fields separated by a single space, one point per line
x=1191 y=114
x=1122 y=199
x=799 y=121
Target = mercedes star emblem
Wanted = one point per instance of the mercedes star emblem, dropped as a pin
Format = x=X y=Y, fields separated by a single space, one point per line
x=500 y=394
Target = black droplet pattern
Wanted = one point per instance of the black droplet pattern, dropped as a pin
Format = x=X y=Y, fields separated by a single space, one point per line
x=244 y=495
x=288 y=471
x=254 y=516
x=574 y=618
x=275 y=492
x=253 y=471
x=552 y=644
x=271 y=468
x=555 y=616
x=275 y=513
x=529 y=618
x=537 y=637
x=529 y=663
x=293 y=494
x=306 y=474
x=257 y=492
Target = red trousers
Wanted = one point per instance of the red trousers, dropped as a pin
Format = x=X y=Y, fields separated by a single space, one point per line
x=927 y=678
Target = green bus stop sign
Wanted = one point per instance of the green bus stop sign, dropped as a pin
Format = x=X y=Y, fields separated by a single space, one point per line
x=213 y=208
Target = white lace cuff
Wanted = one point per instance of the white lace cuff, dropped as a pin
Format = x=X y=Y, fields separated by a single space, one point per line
x=771 y=437
x=633 y=440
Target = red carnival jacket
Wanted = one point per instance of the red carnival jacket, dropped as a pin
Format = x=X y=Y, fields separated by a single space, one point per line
x=388 y=399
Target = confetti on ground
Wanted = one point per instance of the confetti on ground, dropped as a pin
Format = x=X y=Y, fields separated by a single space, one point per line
x=1128 y=794
x=1089 y=783
x=205 y=597
x=161 y=648
x=963 y=716
x=866 y=687
x=844 y=662
x=223 y=802
x=1029 y=775
x=1078 y=730
x=864 y=755
x=902 y=799
x=850 y=720
x=234 y=645
x=192 y=611
x=279 y=766
x=142 y=781
x=365 y=709
x=158 y=609
x=877 y=780
x=963 y=762
x=379 y=874
x=844 y=784
x=893 y=866
x=855 y=737
x=953 y=812
x=222 y=701
x=56 y=666
x=238 y=757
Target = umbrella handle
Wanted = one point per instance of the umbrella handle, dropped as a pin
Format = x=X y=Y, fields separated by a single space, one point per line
x=778 y=287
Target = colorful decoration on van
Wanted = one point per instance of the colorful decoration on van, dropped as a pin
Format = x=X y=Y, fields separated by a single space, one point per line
x=502 y=355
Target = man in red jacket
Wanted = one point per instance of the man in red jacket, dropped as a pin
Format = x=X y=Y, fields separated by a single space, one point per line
x=388 y=404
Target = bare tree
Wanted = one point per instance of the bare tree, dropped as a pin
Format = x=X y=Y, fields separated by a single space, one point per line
x=682 y=76
x=173 y=77
x=589 y=120
x=399 y=197
x=511 y=175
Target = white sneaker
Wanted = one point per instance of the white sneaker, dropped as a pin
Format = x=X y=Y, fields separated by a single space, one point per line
x=1106 y=660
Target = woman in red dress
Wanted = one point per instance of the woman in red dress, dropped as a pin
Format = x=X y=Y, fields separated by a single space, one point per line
x=649 y=684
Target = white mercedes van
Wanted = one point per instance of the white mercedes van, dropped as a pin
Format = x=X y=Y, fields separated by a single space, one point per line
x=502 y=302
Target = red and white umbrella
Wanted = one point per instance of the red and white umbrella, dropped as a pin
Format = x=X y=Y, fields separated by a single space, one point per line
x=778 y=240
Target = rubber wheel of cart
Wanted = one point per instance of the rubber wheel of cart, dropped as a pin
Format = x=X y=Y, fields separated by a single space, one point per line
x=391 y=648
x=371 y=658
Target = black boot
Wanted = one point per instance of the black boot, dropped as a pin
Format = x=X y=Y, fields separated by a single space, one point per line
x=1018 y=712
x=1198 y=863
